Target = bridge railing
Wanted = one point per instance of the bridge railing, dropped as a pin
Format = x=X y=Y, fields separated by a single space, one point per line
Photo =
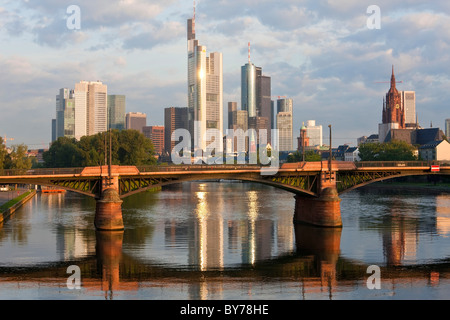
x=196 y=168
x=40 y=171
x=369 y=164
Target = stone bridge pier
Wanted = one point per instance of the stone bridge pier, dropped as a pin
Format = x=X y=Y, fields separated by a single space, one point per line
x=108 y=211
x=324 y=210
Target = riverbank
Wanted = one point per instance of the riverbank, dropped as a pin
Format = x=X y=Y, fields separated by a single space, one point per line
x=7 y=209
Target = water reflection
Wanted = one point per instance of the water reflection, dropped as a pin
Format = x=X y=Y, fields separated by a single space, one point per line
x=227 y=241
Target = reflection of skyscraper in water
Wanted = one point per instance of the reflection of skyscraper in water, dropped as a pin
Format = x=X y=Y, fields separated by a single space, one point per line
x=207 y=250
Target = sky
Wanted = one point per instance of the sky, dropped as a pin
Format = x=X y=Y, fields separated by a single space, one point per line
x=326 y=55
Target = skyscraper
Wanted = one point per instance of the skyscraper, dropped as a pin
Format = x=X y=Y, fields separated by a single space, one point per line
x=314 y=133
x=285 y=124
x=256 y=100
x=65 y=113
x=409 y=106
x=447 y=128
x=135 y=121
x=116 y=112
x=174 y=118
x=205 y=92
x=232 y=106
x=91 y=109
x=156 y=134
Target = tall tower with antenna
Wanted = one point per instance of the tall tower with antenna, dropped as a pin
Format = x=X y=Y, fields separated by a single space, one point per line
x=205 y=93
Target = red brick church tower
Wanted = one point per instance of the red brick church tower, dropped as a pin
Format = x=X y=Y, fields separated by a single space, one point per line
x=393 y=110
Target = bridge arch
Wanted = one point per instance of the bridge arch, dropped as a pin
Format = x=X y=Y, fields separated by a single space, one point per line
x=343 y=189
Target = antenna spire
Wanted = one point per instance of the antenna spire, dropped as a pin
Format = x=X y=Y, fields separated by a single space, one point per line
x=193 y=20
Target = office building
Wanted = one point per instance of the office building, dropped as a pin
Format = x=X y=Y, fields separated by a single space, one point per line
x=135 y=121
x=314 y=133
x=409 y=106
x=284 y=126
x=65 y=114
x=205 y=93
x=156 y=134
x=174 y=118
x=91 y=108
x=256 y=100
x=447 y=128
x=232 y=107
x=116 y=112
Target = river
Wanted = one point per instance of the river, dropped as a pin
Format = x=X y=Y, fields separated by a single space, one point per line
x=228 y=240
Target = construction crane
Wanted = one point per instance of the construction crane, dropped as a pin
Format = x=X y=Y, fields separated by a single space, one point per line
x=279 y=97
x=5 y=139
x=388 y=82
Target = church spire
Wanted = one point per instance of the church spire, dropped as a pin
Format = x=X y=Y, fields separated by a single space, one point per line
x=392 y=78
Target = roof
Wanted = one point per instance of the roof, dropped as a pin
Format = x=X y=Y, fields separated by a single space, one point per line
x=432 y=144
x=425 y=136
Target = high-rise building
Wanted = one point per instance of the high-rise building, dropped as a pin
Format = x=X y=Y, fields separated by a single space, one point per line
x=314 y=133
x=240 y=127
x=135 y=121
x=256 y=100
x=64 y=94
x=205 y=92
x=174 y=118
x=284 y=127
x=285 y=124
x=264 y=100
x=409 y=105
x=116 y=112
x=447 y=128
x=65 y=114
x=91 y=108
x=53 y=130
x=232 y=106
x=156 y=134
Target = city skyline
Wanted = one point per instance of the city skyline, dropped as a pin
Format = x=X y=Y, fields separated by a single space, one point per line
x=323 y=57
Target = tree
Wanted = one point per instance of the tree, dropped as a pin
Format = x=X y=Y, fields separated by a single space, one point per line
x=129 y=147
x=18 y=158
x=63 y=153
x=390 y=151
x=310 y=155
x=3 y=153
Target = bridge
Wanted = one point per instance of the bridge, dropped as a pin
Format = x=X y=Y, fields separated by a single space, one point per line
x=316 y=185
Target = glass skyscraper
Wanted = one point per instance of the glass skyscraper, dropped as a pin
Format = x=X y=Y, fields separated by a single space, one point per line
x=205 y=94
x=116 y=112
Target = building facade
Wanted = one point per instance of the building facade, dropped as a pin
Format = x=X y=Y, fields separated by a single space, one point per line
x=91 y=108
x=285 y=134
x=205 y=92
x=135 y=121
x=435 y=151
x=447 y=128
x=174 y=118
x=156 y=134
x=409 y=107
x=116 y=112
x=314 y=133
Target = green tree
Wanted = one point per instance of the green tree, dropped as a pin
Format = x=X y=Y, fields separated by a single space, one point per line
x=3 y=153
x=18 y=158
x=129 y=147
x=389 y=151
x=63 y=153
x=310 y=155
